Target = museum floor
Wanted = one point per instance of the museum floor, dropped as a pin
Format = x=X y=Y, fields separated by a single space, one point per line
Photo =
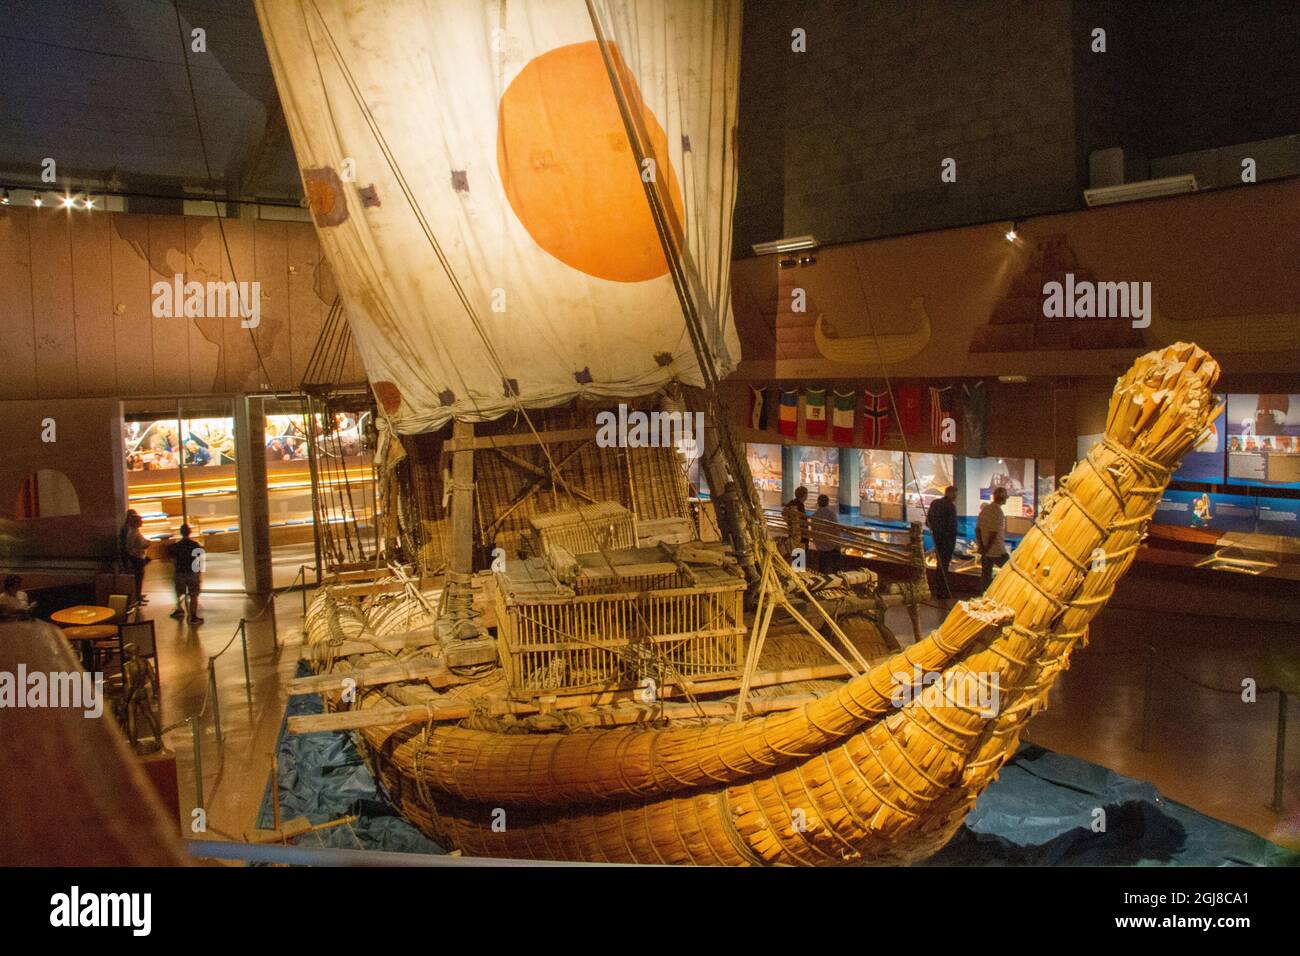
x=1207 y=749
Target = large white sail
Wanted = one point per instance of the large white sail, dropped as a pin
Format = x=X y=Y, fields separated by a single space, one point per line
x=471 y=178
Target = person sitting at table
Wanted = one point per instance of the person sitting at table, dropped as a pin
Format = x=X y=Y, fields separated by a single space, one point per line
x=14 y=604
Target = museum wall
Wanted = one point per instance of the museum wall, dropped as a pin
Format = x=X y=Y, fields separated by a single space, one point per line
x=76 y=304
x=845 y=140
x=65 y=444
x=966 y=302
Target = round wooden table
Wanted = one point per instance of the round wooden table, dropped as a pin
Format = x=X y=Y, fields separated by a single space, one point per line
x=82 y=614
x=79 y=616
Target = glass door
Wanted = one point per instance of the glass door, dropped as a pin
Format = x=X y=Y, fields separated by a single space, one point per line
x=210 y=491
x=289 y=490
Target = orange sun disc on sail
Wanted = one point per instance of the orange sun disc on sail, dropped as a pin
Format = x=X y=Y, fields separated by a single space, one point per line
x=569 y=172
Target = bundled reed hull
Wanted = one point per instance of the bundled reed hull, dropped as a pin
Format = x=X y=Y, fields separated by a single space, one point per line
x=875 y=770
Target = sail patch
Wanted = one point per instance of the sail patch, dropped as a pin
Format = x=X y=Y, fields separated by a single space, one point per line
x=388 y=395
x=325 y=196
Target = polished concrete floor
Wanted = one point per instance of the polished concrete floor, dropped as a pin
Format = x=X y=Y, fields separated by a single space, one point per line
x=1207 y=749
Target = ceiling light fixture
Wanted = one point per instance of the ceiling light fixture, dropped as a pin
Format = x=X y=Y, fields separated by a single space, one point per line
x=1014 y=232
x=68 y=201
x=1146 y=189
x=90 y=203
x=4 y=197
x=36 y=201
x=790 y=244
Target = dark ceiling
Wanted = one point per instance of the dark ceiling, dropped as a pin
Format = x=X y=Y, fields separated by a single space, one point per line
x=101 y=87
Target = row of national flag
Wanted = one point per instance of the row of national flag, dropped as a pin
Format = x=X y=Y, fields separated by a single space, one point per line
x=835 y=413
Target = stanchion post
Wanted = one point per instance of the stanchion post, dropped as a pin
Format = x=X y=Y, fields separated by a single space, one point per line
x=275 y=789
x=196 y=735
x=1279 y=762
x=275 y=625
x=302 y=573
x=1144 y=743
x=212 y=695
x=243 y=639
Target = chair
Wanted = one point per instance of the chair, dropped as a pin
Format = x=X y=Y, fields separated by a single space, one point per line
x=112 y=582
x=127 y=686
x=141 y=634
x=103 y=638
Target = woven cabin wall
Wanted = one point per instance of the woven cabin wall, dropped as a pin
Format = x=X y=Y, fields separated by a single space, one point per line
x=649 y=482
x=432 y=524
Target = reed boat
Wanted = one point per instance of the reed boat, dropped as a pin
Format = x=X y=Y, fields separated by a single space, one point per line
x=558 y=650
x=867 y=768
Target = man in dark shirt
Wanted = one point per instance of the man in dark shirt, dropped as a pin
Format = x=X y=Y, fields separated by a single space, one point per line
x=942 y=522
x=187 y=562
x=796 y=521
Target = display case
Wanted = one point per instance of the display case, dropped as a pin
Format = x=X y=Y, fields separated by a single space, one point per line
x=819 y=471
x=880 y=484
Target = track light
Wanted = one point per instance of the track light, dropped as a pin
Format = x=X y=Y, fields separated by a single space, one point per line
x=37 y=201
x=4 y=197
x=1014 y=232
x=68 y=202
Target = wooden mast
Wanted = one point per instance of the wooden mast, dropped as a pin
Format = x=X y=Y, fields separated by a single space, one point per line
x=464 y=642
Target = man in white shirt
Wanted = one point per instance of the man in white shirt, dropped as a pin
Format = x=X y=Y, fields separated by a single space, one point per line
x=824 y=520
x=991 y=537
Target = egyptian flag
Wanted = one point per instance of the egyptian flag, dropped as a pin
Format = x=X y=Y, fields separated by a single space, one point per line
x=789 y=419
x=875 y=418
x=974 y=405
x=842 y=417
x=758 y=407
x=940 y=412
x=814 y=413
x=909 y=409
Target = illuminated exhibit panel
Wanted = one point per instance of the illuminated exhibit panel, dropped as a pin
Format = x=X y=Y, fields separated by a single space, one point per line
x=765 y=466
x=1016 y=475
x=819 y=472
x=182 y=470
x=880 y=484
x=1264 y=440
x=927 y=476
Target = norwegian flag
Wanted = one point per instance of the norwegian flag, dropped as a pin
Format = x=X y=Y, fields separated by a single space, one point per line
x=875 y=418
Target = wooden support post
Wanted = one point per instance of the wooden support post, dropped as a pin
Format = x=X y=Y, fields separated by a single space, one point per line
x=463 y=640
x=1279 y=764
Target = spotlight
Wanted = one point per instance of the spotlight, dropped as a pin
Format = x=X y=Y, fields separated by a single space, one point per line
x=37 y=201
x=68 y=202
x=90 y=203
x=1014 y=232
x=4 y=197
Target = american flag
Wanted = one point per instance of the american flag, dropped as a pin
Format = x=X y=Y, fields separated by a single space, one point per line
x=940 y=410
